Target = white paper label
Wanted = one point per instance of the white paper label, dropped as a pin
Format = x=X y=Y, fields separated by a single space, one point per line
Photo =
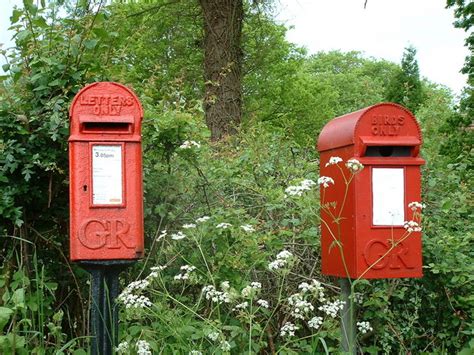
x=107 y=175
x=388 y=185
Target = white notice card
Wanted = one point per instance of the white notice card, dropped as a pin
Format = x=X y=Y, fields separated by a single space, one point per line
x=388 y=188
x=107 y=175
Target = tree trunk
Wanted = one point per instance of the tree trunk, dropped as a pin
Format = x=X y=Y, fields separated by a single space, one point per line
x=222 y=65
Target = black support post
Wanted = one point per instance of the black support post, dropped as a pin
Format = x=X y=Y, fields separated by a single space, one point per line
x=104 y=308
x=348 y=324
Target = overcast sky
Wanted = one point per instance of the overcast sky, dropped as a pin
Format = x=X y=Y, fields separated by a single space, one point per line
x=382 y=30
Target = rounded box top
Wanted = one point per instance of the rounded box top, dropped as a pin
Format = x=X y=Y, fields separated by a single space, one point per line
x=381 y=124
x=105 y=111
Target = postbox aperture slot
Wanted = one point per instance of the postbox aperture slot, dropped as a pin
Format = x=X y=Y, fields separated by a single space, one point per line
x=388 y=151
x=106 y=127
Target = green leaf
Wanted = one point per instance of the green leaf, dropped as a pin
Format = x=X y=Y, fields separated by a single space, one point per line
x=447 y=204
x=23 y=34
x=90 y=43
x=15 y=16
x=5 y=314
x=6 y=67
x=18 y=297
x=40 y=22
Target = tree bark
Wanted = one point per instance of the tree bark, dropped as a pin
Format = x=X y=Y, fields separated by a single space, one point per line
x=222 y=65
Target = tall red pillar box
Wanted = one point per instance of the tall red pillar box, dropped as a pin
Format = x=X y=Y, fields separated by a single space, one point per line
x=105 y=170
x=363 y=222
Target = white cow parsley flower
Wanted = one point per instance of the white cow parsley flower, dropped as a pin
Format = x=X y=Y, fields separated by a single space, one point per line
x=416 y=206
x=364 y=327
x=333 y=161
x=143 y=348
x=213 y=336
x=332 y=308
x=288 y=329
x=325 y=181
x=298 y=190
x=248 y=228
x=203 y=219
x=178 y=236
x=190 y=144
x=281 y=260
x=315 y=322
x=354 y=165
x=186 y=272
x=412 y=226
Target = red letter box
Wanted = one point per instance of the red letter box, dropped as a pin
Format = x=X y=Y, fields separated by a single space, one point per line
x=105 y=169
x=368 y=237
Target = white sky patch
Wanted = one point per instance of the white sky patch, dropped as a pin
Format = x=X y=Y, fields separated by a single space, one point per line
x=382 y=30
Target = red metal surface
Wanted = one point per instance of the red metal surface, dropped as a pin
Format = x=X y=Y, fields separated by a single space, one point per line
x=363 y=243
x=105 y=115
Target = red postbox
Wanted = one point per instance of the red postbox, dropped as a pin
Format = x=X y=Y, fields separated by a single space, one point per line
x=105 y=169
x=363 y=234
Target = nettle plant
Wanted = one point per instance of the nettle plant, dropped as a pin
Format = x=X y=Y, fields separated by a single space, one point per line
x=204 y=299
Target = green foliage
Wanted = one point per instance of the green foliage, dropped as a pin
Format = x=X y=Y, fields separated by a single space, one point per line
x=405 y=87
x=59 y=48
x=288 y=96
x=330 y=84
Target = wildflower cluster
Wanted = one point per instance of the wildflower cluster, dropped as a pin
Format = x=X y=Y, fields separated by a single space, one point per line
x=223 y=225
x=143 y=348
x=281 y=261
x=354 y=165
x=213 y=336
x=210 y=293
x=178 y=236
x=131 y=297
x=412 y=226
x=300 y=307
x=325 y=181
x=414 y=206
x=243 y=305
x=315 y=322
x=163 y=234
x=190 y=144
x=333 y=161
x=298 y=190
x=315 y=288
x=202 y=219
x=186 y=272
x=288 y=329
x=248 y=228
x=135 y=301
x=250 y=291
x=225 y=345
x=131 y=300
x=364 y=327
x=263 y=303
x=189 y=226
x=122 y=348
x=332 y=308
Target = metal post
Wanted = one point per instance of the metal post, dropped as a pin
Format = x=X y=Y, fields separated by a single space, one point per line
x=104 y=309
x=348 y=325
